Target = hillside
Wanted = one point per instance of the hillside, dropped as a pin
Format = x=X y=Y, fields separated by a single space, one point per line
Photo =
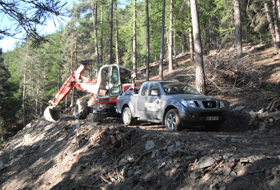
x=80 y=154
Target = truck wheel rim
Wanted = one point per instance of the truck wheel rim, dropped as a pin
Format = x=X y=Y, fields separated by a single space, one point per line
x=171 y=121
x=125 y=117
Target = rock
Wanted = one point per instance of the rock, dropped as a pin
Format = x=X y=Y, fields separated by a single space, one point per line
x=254 y=114
x=227 y=155
x=271 y=120
x=3 y=160
x=170 y=149
x=194 y=175
x=227 y=172
x=238 y=108
x=138 y=172
x=189 y=157
x=149 y=145
x=236 y=140
x=130 y=173
x=261 y=111
x=178 y=143
x=263 y=129
x=232 y=174
x=155 y=154
x=205 y=162
x=241 y=171
x=123 y=162
x=217 y=157
x=161 y=165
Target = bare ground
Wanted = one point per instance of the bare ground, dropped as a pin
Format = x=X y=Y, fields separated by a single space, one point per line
x=79 y=154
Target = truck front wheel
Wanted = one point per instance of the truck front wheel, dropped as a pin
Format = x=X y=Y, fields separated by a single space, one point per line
x=127 y=116
x=172 y=121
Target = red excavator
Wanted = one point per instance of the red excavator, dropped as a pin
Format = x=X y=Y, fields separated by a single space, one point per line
x=111 y=82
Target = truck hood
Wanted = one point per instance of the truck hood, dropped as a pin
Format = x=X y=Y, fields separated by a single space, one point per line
x=190 y=97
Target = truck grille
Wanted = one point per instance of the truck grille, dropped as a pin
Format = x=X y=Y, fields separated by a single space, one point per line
x=209 y=104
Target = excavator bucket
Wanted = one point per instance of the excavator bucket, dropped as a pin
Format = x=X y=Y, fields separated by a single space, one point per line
x=51 y=114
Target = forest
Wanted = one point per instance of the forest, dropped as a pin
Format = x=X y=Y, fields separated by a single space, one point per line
x=130 y=33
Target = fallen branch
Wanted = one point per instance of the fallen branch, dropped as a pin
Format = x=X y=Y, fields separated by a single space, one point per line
x=140 y=157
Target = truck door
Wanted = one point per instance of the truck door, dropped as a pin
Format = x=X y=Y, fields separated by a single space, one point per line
x=141 y=100
x=152 y=102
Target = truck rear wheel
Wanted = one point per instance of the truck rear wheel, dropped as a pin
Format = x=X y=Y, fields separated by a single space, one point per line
x=127 y=116
x=172 y=121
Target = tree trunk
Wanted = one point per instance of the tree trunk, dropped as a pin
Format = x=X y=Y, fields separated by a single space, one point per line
x=94 y=21
x=72 y=104
x=191 y=39
x=110 y=33
x=238 y=29
x=174 y=50
x=278 y=8
x=162 y=42
x=191 y=45
x=101 y=40
x=276 y=26
x=134 y=42
x=198 y=49
x=148 y=42
x=24 y=92
x=271 y=28
x=117 y=39
x=170 y=54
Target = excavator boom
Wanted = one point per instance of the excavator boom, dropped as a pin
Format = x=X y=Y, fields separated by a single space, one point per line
x=74 y=80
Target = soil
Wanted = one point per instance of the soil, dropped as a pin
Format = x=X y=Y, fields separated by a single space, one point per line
x=81 y=154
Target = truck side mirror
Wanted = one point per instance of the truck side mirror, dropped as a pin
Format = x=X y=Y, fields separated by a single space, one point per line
x=154 y=92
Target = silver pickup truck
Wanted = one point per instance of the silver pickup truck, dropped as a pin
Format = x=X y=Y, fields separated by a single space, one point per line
x=172 y=104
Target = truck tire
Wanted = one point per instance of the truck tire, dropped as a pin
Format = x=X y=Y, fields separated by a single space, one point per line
x=81 y=109
x=127 y=116
x=172 y=121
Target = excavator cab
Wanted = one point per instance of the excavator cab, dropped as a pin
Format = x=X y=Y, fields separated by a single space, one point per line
x=110 y=80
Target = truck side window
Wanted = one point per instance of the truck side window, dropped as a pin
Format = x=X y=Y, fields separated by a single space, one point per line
x=144 y=89
x=154 y=86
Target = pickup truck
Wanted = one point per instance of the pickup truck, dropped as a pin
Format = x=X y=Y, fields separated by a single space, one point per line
x=172 y=104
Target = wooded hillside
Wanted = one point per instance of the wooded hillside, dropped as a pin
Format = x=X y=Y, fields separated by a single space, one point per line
x=133 y=34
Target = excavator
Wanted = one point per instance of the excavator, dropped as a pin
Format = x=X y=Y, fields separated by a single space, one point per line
x=112 y=81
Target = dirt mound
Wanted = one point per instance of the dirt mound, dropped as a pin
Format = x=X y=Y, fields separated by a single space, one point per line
x=76 y=154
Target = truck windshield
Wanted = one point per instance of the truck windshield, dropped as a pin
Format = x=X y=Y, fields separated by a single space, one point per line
x=179 y=88
x=125 y=76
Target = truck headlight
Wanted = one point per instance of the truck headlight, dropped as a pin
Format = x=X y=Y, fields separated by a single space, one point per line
x=222 y=105
x=189 y=103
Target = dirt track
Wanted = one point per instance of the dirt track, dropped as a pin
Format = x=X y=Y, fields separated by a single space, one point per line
x=76 y=154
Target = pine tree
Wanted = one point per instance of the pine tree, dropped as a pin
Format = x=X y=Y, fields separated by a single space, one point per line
x=162 y=42
x=238 y=29
x=199 y=79
x=148 y=42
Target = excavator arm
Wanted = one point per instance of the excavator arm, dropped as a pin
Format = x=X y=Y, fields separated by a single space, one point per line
x=74 y=80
